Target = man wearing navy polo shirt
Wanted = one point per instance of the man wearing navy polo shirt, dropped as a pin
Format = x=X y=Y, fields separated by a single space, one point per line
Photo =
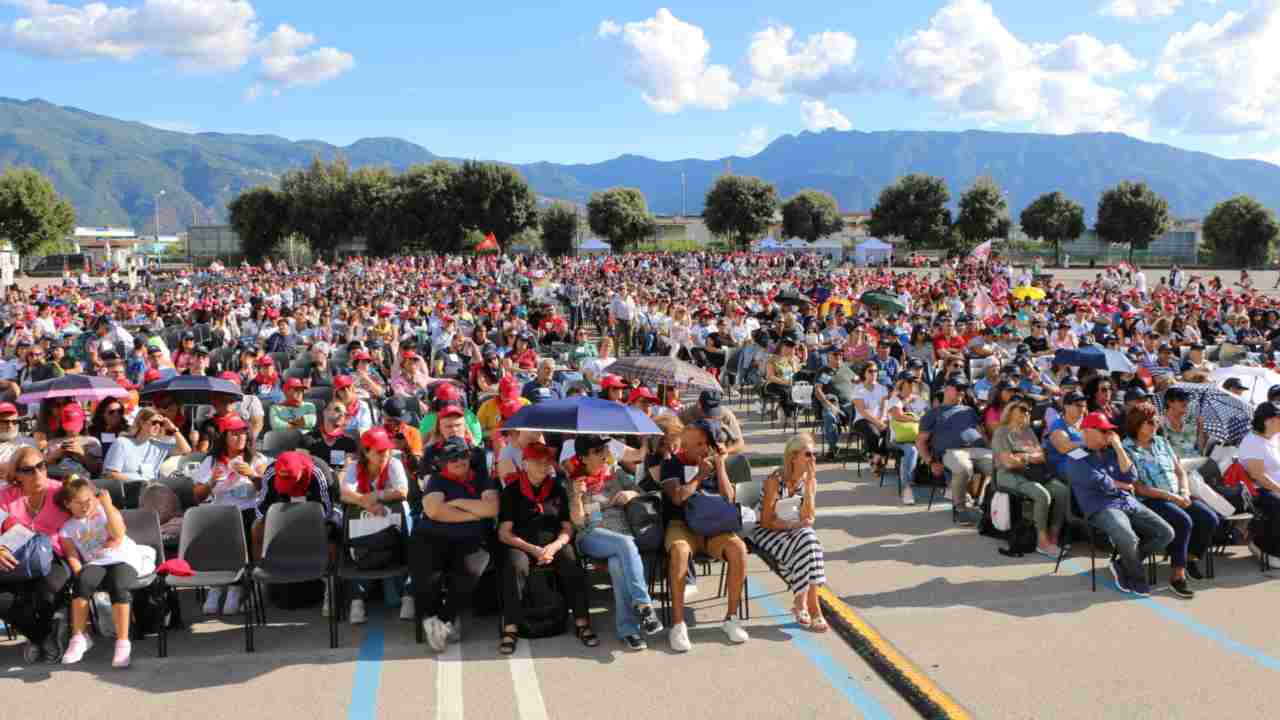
x=1101 y=477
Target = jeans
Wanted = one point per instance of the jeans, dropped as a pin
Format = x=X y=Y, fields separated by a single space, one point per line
x=1193 y=528
x=626 y=571
x=907 y=467
x=831 y=425
x=1136 y=532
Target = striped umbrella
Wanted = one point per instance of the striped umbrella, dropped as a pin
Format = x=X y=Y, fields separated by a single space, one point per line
x=1226 y=417
x=653 y=370
x=80 y=387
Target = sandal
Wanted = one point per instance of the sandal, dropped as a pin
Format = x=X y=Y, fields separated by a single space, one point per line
x=801 y=616
x=507 y=644
x=587 y=635
x=819 y=625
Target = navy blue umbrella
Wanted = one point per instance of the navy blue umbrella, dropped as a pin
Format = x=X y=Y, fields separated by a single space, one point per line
x=1092 y=356
x=582 y=415
x=191 y=389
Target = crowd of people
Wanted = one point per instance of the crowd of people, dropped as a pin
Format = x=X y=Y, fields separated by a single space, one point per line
x=380 y=389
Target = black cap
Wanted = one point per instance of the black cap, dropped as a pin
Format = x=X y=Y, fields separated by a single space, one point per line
x=188 y=335
x=201 y=350
x=396 y=407
x=1176 y=394
x=455 y=448
x=1233 y=383
x=584 y=444
x=958 y=381
x=107 y=356
x=1073 y=397
x=1165 y=348
x=1136 y=394
x=1197 y=346
x=709 y=401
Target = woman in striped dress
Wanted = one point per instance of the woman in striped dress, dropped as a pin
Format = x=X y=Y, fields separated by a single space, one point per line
x=785 y=529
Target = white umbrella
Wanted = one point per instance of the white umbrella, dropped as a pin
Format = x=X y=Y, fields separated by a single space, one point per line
x=1257 y=379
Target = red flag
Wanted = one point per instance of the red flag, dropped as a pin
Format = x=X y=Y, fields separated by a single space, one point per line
x=982 y=252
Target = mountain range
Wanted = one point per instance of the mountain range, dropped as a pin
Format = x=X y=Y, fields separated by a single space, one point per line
x=112 y=169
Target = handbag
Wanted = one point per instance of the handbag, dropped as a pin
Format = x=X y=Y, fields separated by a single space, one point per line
x=374 y=541
x=35 y=559
x=644 y=517
x=788 y=509
x=709 y=514
x=904 y=431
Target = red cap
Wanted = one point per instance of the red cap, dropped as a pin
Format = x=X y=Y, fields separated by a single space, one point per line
x=342 y=381
x=448 y=392
x=508 y=386
x=384 y=311
x=151 y=376
x=293 y=473
x=230 y=376
x=8 y=408
x=451 y=411
x=408 y=355
x=510 y=406
x=228 y=423
x=359 y=355
x=292 y=383
x=273 y=313
x=609 y=382
x=376 y=439
x=72 y=417
x=538 y=451
x=641 y=393
x=266 y=360
x=1096 y=421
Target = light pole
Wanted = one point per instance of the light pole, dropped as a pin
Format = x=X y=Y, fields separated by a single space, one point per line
x=157 y=205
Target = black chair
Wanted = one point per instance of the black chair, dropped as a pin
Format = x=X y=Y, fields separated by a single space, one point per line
x=295 y=549
x=275 y=442
x=319 y=396
x=143 y=527
x=1076 y=522
x=213 y=543
x=347 y=571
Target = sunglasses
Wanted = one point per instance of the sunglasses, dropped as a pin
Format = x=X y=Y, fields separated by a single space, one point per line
x=29 y=469
x=809 y=454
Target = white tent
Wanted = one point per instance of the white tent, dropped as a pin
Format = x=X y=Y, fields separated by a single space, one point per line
x=796 y=244
x=872 y=251
x=768 y=244
x=594 y=245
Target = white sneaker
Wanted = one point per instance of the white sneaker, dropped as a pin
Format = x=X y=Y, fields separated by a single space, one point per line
x=908 y=496
x=79 y=645
x=324 y=605
x=232 y=605
x=734 y=631
x=437 y=633
x=679 y=638
x=453 y=630
x=213 y=601
x=357 y=614
x=407 y=608
x=690 y=592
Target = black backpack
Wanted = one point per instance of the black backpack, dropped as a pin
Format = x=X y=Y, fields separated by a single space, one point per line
x=1264 y=531
x=152 y=610
x=545 y=610
x=644 y=516
x=378 y=551
x=292 y=596
x=1021 y=535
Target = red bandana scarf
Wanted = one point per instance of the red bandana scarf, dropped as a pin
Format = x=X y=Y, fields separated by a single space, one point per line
x=465 y=481
x=595 y=481
x=363 y=485
x=544 y=490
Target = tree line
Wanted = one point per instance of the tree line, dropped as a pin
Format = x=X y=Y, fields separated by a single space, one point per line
x=447 y=207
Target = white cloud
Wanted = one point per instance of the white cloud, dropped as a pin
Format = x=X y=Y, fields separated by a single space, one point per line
x=1272 y=157
x=753 y=140
x=196 y=35
x=817 y=67
x=1140 y=9
x=818 y=117
x=970 y=63
x=1222 y=78
x=285 y=65
x=667 y=60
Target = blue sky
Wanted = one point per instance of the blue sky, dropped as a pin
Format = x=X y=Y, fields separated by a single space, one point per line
x=583 y=82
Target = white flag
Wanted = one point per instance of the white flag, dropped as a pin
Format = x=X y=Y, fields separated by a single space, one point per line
x=982 y=252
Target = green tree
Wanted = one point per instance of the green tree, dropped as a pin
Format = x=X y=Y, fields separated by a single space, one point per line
x=559 y=224
x=1055 y=218
x=33 y=216
x=1132 y=214
x=621 y=216
x=494 y=198
x=811 y=214
x=261 y=218
x=376 y=209
x=740 y=207
x=320 y=203
x=1240 y=232
x=914 y=207
x=428 y=209
x=984 y=214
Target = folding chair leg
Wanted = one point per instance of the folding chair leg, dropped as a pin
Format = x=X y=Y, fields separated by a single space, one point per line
x=333 y=620
x=1093 y=562
x=248 y=609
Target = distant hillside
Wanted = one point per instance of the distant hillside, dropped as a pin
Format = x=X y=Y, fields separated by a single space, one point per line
x=111 y=169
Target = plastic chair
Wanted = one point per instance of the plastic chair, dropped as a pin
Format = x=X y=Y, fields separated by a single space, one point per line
x=143 y=527
x=275 y=442
x=319 y=396
x=347 y=571
x=295 y=549
x=213 y=543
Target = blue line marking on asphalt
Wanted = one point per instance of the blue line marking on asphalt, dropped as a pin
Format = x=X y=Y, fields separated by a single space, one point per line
x=836 y=674
x=1189 y=622
x=364 y=687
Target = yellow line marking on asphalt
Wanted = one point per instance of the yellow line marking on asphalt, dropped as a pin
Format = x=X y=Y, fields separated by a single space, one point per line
x=908 y=669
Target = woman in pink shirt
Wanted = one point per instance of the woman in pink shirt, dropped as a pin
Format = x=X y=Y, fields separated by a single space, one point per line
x=30 y=501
